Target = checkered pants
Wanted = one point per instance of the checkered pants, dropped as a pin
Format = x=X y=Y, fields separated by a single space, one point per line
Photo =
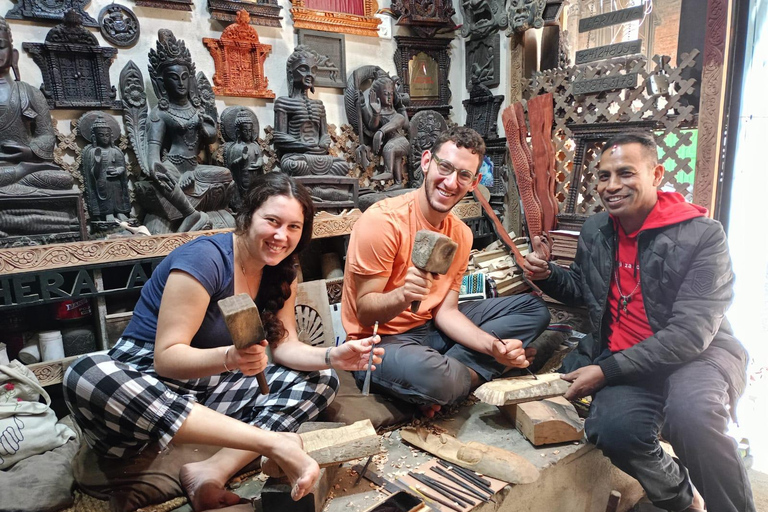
x=122 y=405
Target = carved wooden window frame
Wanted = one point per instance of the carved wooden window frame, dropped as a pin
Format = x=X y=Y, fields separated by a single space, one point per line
x=330 y=21
x=438 y=49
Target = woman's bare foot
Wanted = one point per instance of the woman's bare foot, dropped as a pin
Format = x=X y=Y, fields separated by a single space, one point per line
x=288 y=454
x=204 y=490
x=429 y=410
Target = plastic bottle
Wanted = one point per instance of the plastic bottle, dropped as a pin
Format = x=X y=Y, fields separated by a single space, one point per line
x=51 y=345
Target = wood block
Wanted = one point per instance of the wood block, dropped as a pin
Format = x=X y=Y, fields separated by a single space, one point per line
x=522 y=389
x=242 y=318
x=549 y=421
x=479 y=457
x=336 y=445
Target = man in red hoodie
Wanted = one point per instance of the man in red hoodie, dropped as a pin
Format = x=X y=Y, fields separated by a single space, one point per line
x=655 y=275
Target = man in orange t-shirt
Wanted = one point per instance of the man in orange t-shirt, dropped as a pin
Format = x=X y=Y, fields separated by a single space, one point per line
x=438 y=355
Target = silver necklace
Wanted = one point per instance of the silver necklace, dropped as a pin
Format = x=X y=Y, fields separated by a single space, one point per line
x=624 y=300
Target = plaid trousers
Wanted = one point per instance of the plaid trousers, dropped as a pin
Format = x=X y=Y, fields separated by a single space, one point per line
x=122 y=405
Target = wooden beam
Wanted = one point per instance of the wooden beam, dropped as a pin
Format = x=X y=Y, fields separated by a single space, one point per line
x=711 y=108
x=522 y=389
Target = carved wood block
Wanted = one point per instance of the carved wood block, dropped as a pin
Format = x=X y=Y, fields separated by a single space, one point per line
x=482 y=61
x=611 y=18
x=242 y=318
x=521 y=389
x=549 y=421
x=314 y=324
x=333 y=446
x=541 y=118
x=239 y=60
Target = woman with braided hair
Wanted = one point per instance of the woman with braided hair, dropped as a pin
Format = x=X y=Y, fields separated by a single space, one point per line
x=175 y=376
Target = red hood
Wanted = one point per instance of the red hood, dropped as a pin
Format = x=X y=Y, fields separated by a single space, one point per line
x=671 y=208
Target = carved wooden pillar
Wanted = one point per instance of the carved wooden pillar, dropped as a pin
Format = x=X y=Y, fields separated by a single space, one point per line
x=711 y=108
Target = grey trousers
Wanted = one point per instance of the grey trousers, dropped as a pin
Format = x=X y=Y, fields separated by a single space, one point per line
x=689 y=409
x=425 y=366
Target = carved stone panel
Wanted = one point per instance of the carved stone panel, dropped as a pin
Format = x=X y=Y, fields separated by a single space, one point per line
x=355 y=17
x=483 y=111
x=75 y=68
x=332 y=65
x=261 y=12
x=425 y=127
x=482 y=61
x=425 y=17
x=424 y=65
x=119 y=25
x=175 y=5
x=47 y=10
x=239 y=60
x=482 y=18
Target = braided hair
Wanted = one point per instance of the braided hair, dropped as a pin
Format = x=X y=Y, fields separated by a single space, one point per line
x=275 y=287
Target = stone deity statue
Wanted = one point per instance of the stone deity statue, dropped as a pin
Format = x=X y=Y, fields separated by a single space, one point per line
x=177 y=192
x=301 y=131
x=27 y=140
x=104 y=173
x=26 y=131
x=386 y=127
x=242 y=154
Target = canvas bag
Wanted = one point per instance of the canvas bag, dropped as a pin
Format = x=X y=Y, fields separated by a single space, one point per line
x=27 y=426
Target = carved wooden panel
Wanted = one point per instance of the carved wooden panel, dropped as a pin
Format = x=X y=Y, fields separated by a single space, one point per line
x=239 y=59
x=429 y=90
x=313 y=314
x=174 y=5
x=620 y=106
x=75 y=68
x=332 y=66
x=363 y=24
x=119 y=25
x=482 y=61
x=483 y=111
x=424 y=17
x=261 y=12
x=711 y=118
x=425 y=127
x=46 y=10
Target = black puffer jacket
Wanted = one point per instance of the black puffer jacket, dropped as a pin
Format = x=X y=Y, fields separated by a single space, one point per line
x=687 y=286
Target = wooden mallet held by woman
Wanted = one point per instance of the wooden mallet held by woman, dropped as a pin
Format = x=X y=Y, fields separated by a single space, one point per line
x=244 y=325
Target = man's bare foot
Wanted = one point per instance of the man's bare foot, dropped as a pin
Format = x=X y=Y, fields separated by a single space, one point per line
x=698 y=502
x=429 y=410
x=204 y=490
x=289 y=456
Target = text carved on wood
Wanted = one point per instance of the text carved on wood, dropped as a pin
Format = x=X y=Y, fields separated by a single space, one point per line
x=612 y=18
x=609 y=51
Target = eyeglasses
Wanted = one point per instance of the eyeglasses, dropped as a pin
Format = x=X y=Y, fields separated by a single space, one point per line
x=446 y=168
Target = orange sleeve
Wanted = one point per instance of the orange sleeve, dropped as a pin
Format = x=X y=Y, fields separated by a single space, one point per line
x=374 y=244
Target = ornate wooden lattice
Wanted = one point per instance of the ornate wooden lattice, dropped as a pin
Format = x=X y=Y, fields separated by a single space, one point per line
x=577 y=152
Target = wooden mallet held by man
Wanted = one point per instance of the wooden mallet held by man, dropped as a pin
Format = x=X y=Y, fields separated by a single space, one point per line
x=244 y=325
x=432 y=252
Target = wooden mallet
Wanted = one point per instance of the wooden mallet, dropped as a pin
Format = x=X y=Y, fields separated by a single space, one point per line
x=244 y=325
x=432 y=252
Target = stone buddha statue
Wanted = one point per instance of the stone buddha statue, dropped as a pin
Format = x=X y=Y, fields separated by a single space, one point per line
x=242 y=154
x=26 y=132
x=301 y=130
x=177 y=192
x=104 y=173
x=387 y=127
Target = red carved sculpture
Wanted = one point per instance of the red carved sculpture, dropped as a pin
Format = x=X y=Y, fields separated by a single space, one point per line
x=522 y=161
x=541 y=118
x=239 y=60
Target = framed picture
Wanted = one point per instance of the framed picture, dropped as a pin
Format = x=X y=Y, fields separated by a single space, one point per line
x=332 y=67
x=423 y=65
